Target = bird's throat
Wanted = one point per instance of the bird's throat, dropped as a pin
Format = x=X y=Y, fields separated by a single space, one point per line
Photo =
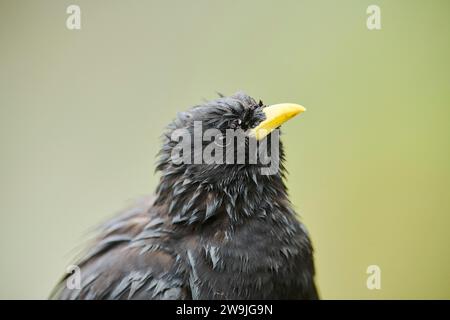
x=236 y=197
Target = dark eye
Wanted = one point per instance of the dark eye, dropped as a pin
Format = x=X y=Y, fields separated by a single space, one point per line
x=236 y=124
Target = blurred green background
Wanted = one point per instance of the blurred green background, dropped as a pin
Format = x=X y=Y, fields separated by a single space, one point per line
x=81 y=113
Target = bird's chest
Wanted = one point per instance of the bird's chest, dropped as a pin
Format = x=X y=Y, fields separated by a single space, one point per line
x=244 y=265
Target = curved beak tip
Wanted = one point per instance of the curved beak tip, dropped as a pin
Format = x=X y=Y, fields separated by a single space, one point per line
x=298 y=108
x=292 y=109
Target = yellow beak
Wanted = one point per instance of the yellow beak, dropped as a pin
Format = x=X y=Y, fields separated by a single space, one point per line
x=276 y=115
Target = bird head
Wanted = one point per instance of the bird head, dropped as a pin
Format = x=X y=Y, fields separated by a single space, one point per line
x=221 y=146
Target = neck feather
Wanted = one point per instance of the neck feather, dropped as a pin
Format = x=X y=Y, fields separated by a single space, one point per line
x=242 y=193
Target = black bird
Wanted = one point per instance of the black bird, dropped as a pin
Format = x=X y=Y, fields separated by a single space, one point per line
x=211 y=231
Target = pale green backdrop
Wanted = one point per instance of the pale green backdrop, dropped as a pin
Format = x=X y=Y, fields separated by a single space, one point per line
x=369 y=162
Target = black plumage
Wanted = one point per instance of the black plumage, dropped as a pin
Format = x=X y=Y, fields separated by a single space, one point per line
x=211 y=231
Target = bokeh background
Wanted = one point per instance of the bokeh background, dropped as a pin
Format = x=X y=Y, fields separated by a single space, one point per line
x=81 y=113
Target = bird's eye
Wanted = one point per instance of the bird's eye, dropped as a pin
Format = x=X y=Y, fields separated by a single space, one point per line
x=235 y=124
